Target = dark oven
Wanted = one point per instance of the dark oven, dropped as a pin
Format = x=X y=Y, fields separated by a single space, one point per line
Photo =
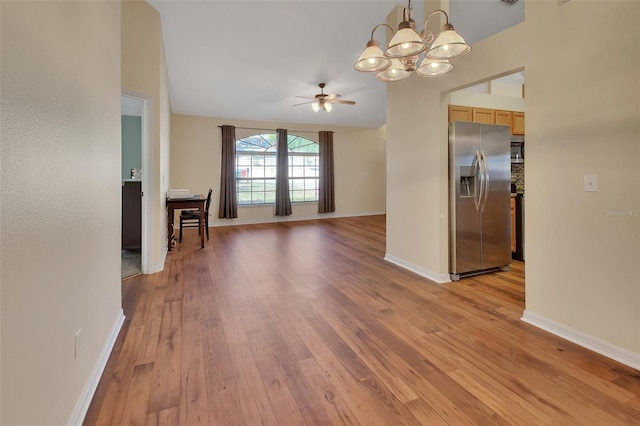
x=517 y=149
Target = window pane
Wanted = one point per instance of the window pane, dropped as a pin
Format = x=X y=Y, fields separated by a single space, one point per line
x=296 y=196
x=257 y=160
x=270 y=197
x=309 y=184
x=243 y=160
x=301 y=144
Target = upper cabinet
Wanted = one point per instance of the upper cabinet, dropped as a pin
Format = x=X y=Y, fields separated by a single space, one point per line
x=484 y=115
x=460 y=113
x=513 y=119
x=504 y=117
x=517 y=126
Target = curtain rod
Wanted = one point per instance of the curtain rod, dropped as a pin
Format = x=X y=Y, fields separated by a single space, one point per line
x=273 y=130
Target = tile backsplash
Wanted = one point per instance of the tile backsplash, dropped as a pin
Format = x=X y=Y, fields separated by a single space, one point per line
x=517 y=176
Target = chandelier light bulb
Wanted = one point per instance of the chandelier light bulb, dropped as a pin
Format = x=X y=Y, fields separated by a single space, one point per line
x=405 y=42
x=394 y=73
x=315 y=106
x=434 y=67
x=372 y=59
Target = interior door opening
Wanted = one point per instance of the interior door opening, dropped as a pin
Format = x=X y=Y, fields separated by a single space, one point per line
x=133 y=146
x=501 y=101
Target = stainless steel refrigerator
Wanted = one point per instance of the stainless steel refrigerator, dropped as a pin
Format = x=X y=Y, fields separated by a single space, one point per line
x=480 y=186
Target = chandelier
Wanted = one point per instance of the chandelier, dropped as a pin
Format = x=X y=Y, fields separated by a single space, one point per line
x=401 y=55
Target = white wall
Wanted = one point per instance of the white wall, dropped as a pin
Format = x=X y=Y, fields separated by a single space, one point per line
x=487 y=100
x=61 y=199
x=358 y=162
x=582 y=118
x=144 y=72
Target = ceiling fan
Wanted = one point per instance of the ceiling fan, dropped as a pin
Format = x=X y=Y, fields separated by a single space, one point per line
x=324 y=102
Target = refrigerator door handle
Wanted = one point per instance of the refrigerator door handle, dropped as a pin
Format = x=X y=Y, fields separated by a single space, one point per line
x=485 y=165
x=479 y=173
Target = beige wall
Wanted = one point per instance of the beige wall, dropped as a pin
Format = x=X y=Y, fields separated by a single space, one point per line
x=60 y=234
x=583 y=118
x=486 y=100
x=144 y=72
x=195 y=165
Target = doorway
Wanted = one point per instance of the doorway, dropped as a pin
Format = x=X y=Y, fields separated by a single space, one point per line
x=501 y=101
x=133 y=157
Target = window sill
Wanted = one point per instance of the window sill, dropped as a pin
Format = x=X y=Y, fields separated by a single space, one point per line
x=301 y=203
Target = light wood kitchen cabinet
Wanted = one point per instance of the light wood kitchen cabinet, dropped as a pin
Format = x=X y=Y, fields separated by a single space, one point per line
x=504 y=118
x=517 y=126
x=460 y=113
x=484 y=115
x=513 y=119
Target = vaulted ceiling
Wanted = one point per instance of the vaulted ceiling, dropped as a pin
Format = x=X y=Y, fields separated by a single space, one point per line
x=249 y=59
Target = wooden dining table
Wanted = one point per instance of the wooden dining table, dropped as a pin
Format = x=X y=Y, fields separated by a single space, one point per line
x=191 y=202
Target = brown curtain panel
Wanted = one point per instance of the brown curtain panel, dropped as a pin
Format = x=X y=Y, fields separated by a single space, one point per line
x=326 y=196
x=283 y=201
x=228 y=197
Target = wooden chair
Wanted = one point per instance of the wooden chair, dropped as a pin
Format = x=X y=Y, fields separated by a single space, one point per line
x=191 y=218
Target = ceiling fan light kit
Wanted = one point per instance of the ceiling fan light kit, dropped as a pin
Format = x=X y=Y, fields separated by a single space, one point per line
x=324 y=102
x=321 y=105
x=400 y=57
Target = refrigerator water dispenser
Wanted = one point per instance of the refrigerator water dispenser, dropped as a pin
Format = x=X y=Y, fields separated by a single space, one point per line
x=467 y=181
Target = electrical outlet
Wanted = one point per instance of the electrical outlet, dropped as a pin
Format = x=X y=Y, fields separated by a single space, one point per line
x=590 y=183
x=76 y=344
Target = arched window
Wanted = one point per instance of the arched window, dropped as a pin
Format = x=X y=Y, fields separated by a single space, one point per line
x=256 y=169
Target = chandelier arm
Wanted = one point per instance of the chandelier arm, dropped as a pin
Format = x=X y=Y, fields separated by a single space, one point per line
x=446 y=17
x=380 y=25
x=445 y=26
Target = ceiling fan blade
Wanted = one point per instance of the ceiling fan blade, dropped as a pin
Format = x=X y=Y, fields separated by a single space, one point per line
x=333 y=96
x=303 y=103
x=304 y=97
x=340 y=101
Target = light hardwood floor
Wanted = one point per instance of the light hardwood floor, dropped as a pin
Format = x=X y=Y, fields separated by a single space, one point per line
x=304 y=323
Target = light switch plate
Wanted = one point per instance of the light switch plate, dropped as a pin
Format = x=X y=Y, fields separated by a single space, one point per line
x=590 y=183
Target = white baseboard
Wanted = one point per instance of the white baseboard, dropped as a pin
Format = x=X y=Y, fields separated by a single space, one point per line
x=275 y=219
x=80 y=411
x=438 y=278
x=592 y=343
